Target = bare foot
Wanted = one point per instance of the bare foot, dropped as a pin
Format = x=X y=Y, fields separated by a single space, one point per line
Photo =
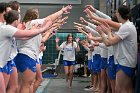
x=70 y=87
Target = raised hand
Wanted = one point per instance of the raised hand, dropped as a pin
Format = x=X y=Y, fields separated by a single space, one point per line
x=105 y=28
x=99 y=30
x=78 y=24
x=82 y=31
x=95 y=21
x=83 y=20
x=90 y=14
x=56 y=39
x=77 y=39
x=90 y=7
x=66 y=9
x=62 y=20
x=89 y=36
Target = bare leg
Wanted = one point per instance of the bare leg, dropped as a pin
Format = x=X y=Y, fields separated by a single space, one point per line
x=66 y=68
x=95 y=82
x=13 y=82
x=38 y=78
x=112 y=85
x=6 y=79
x=99 y=82
x=109 y=90
x=27 y=79
x=31 y=87
x=92 y=78
x=103 y=81
x=71 y=75
x=123 y=83
x=19 y=82
x=2 y=84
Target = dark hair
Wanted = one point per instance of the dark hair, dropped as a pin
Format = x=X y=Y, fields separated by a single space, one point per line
x=14 y=5
x=124 y=12
x=31 y=14
x=114 y=18
x=11 y=16
x=3 y=7
x=69 y=35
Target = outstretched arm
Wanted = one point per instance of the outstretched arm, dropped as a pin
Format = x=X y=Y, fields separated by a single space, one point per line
x=101 y=20
x=64 y=10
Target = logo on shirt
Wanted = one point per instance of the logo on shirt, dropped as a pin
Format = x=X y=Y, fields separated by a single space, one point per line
x=69 y=49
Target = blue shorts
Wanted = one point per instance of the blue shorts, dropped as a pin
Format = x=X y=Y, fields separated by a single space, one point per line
x=89 y=64
x=96 y=63
x=23 y=62
x=112 y=68
x=0 y=69
x=40 y=61
x=127 y=70
x=8 y=68
x=68 y=63
x=13 y=63
x=103 y=64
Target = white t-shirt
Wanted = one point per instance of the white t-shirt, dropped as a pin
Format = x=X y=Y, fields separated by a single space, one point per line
x=110 y=51
x=6 y=36
x=126 y=50
x=89 y=51
x=14 y=51
x=69 y=51
x=104 y=52
x=40 y=55
x=97 y=50
x=31 y=47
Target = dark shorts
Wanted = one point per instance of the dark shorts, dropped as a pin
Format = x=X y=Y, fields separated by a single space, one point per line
x=112 y=68
x=24 y=62
x=13 y=63
x=68 y=63
x=0 y=70
x=103 y=64
x=89 y=64
x=96 y=63
x=127 y=70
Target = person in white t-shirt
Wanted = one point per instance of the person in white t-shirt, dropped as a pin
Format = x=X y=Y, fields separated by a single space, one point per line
x=7 y=33
x=69 y=47
x=13 y=81
x=87 y=45
x=104 y=51
x=125 y=47
x=29 y=49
